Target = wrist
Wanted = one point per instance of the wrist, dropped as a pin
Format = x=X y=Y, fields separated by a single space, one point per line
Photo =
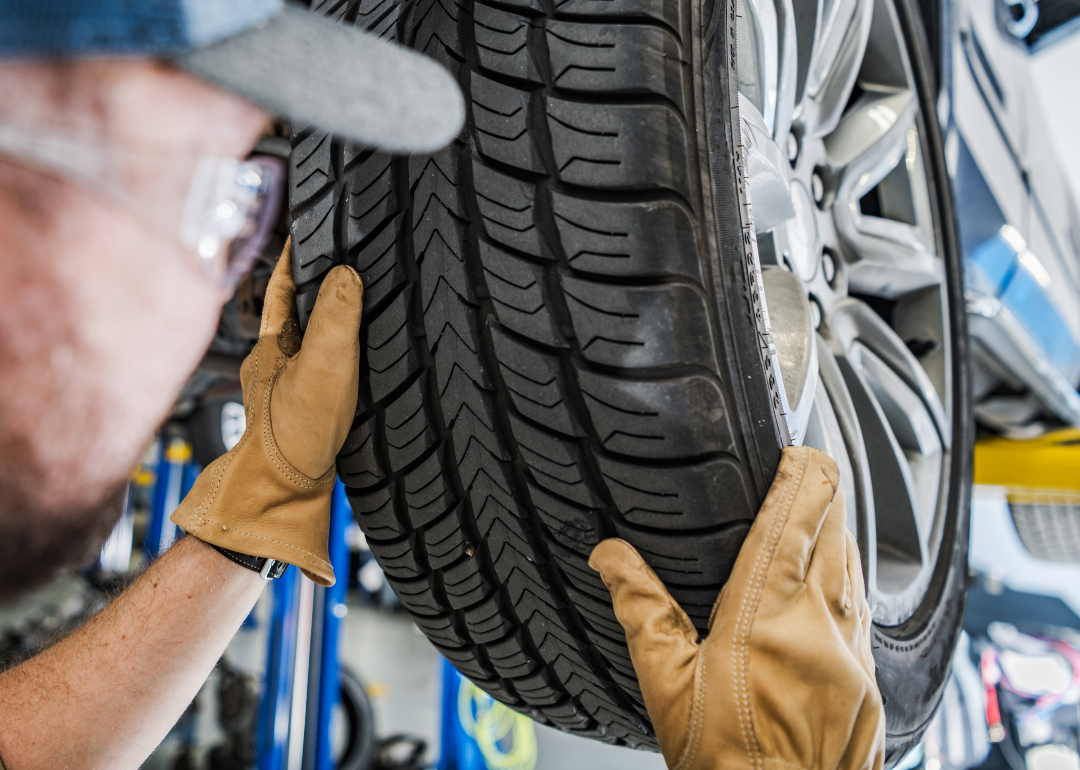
x=265 y=568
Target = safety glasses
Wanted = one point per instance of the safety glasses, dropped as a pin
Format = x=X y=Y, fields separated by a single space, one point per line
x=221 y=209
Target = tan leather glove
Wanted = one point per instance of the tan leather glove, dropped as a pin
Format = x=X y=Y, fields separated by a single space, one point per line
x=270 y=495
x=785 y=678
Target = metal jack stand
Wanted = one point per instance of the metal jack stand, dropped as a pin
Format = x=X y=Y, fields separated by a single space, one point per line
x=302 y=677
x=176 y=474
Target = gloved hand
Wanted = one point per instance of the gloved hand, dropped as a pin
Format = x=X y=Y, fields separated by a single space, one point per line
x=785 y=678
x=270 y=495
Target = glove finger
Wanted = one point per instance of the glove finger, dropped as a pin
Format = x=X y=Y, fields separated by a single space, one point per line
x=854 y=568
x=866 y=745
x=334 y=327
x=786 y=526
x=315 y=398
x=660 y=635
x=279 y=307
x=829 y=560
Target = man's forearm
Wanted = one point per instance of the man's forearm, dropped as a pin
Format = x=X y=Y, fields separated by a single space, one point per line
x=108 y=694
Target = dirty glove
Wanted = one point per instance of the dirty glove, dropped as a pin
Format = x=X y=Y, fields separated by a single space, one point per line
x=270 y=495
x=785 y=678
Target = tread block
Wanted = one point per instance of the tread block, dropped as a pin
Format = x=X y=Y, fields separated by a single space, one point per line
x=378 y=17
x=704 y=560
x=511 y=555
x=371 y=200
x=427 y=492
x=628 y=240
x=490 y=619
x=374 y=513
x=554 y=463
x=500 y=117
x=390 y=355
x=491 y=501
x=619 y=147
x=533 y=381
x=575 y=568
x=516 y=287
x=574 y=527
x=442 y=631
x=598 y=614
x=418 y=596
x=570 y=718
x=335 y=9
x=616 y=58
x=445 y=541
x=400 y=558
x=440 y=263
x=378 y=266
x=408 y=434
x=501 y=43
x=311 y=168
x=508 y=656
x=666 y=12
x=506 y=208
x=436 y=32
x=313 y=240
x=640 y=326
x=629 y=421
x=357 y=462
x=465 y=583
x=673 y=498
x=468 y=663
x=541 y=688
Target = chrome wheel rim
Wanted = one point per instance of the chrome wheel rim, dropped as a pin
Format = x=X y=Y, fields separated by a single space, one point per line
x=853 y=273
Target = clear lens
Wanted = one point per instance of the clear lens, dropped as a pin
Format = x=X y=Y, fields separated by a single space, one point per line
x=230 y=213
x=221 y=208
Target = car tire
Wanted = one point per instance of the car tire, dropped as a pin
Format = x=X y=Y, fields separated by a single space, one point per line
x=560 y=344
x=215 y=426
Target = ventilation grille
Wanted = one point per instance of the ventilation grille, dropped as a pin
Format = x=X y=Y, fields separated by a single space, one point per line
x=1048 y=523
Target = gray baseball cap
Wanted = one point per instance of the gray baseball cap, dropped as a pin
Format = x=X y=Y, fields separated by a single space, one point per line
x=293 y=62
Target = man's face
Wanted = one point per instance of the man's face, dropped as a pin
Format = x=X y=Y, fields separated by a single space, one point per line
x=102 y=315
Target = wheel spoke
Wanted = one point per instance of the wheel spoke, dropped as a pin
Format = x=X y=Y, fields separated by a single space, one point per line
x=886 y=259
x=759 y=56
x=876 y=146
x=871 y=139
x=834 y=428
x=770 y=193
x=854 y=324
x=906 y=439
x=788 y=70
x=843 y=28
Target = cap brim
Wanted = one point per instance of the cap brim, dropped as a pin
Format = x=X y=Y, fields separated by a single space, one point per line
x=313 y=71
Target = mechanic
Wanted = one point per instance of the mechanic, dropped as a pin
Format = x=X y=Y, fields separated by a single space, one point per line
x=121 y=121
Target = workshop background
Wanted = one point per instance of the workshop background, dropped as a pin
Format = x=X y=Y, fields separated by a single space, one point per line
x=341 y=677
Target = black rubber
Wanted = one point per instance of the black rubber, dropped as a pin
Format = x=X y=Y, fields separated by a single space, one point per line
x=558 y=342
x=548 y=336
x=358 y=751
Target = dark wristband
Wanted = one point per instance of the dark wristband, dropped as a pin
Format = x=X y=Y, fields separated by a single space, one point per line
x=268 y=569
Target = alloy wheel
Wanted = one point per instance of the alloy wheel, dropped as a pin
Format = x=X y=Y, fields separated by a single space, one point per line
x=856 y=317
